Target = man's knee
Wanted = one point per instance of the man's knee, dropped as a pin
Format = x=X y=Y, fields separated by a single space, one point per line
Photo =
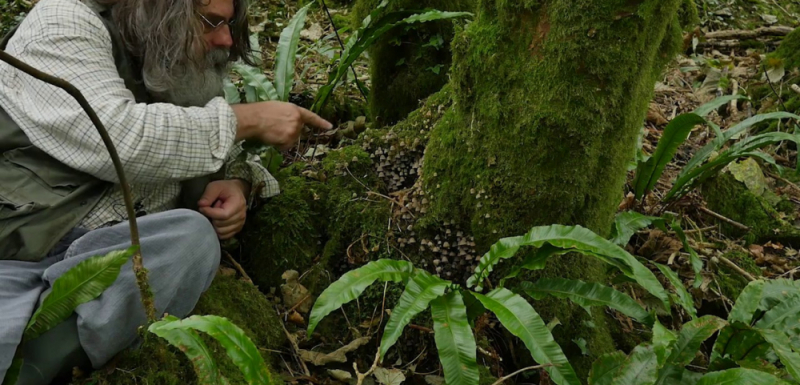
x=195 y=232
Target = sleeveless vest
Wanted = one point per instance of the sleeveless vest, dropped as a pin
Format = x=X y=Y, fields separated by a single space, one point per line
x=41 y=199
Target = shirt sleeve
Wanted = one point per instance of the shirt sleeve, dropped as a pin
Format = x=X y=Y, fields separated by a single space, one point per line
x=155 y=142
x=249 y=168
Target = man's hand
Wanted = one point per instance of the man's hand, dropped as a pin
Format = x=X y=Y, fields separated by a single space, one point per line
x=275 y=123
x=225 y=203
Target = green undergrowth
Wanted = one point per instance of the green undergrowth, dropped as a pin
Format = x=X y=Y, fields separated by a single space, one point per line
x=156 y=362
x=407 y=65
x=731 y=198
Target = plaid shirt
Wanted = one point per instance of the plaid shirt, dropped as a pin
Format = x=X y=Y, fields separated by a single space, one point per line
x=159 y=144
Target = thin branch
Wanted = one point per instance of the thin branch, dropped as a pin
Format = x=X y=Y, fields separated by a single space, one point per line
x=736 y=268
x=238 y=267
x=723 y=218
x=138 y=267
x=341 y=44
x=503 y=379
x=421 y=328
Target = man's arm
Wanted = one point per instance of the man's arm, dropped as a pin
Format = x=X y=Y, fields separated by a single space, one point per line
x=156 y=142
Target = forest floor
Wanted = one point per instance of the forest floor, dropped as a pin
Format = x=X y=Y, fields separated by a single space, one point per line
x=710 y=67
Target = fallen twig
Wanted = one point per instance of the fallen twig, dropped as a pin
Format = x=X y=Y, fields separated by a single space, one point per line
x=503 y=379
x=723 y=218
x=718 y=44
x=422 y=328
x=736 y=268
x=784 y=180
x=238 y=267
x=778 y=30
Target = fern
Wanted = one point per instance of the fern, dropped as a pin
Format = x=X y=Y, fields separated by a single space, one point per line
x=238 y=346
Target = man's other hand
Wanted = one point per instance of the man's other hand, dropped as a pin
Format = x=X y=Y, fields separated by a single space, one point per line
x=225 y=203
x=275 y=123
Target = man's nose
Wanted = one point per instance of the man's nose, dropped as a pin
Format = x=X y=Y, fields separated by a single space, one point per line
x=221 y=37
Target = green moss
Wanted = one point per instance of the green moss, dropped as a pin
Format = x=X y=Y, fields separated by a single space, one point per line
x=548 y=99
x=789 y=50
x=156 y=362
x=244 y=305
x=731 y=198
x=732 y=282
x=486 y=375
x=407 y=65
x=288 y=232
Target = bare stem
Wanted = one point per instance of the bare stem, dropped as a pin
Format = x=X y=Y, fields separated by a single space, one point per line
x=736 y=268
x=503 y=379
x=362 y=376
x=138 y=267
x=724 y=218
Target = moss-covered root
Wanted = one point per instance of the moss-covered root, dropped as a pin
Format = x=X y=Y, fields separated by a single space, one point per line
x=725 y=195
x=408 y=65
x=155 y=362
x=548 y=98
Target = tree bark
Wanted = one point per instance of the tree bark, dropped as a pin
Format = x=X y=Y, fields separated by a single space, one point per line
x=407 y=66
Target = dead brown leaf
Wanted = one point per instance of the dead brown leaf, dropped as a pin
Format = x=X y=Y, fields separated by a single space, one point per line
x=339 y=355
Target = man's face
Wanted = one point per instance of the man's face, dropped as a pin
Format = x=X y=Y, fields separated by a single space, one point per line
x=216 y=16
x=194 y=87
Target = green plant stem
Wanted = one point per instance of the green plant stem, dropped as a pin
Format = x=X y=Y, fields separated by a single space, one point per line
x=138 y=267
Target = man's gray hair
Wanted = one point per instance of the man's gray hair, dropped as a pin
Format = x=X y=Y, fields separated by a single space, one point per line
x=166 y=36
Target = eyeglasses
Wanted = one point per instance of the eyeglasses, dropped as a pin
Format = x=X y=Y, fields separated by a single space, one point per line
x=215 y=22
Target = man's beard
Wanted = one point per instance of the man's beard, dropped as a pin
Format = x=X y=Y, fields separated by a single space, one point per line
x=196 y=87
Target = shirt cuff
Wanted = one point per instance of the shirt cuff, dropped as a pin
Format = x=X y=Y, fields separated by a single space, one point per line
x=251 y=170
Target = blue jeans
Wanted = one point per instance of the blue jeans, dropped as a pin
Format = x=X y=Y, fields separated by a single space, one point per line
x=179 y=248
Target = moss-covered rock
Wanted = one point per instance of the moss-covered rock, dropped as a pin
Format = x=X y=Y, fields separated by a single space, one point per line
x=155 y=362
x=407 y=65
x=730 y=197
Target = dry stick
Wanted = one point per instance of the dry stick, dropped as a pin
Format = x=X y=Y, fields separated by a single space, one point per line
x=737 y=268
x=723 y=218
x=779 y=30
x=238 y=267
x=138 y=267
x=503 y=379
x=784 y=180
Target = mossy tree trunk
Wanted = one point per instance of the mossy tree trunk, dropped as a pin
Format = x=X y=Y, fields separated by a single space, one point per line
x=407 y=66
x=548 y=98
x=536 y=127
